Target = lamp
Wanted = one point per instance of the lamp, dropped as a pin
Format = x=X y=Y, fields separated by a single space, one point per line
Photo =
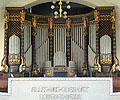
x=61 y=12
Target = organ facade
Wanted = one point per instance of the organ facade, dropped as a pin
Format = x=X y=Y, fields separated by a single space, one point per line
x=81 y=45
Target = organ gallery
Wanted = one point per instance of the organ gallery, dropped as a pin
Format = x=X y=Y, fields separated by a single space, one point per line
x=79 y=43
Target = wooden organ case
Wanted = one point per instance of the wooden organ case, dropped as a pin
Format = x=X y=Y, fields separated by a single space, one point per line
x=35 y=44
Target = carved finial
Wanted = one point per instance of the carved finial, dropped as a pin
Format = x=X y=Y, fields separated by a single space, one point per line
x=68 y=22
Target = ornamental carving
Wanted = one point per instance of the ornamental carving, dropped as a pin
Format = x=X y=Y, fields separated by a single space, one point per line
x=50 y=22
x=97 y=19
x=85 y=23
x=34 y=25
x=22 y=19
x=113 y=19
x=6 y=17
x=68 y=22
x=22 y=16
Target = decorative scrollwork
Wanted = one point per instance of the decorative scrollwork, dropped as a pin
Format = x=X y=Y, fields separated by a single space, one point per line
x=22 y=16
x=96 y=64
x=3 y=63
x=22 y=19
x=97 y=19
x=6 y=17
x=23 y=66
x=14 y=59
x=115 y=65
x=113 y=19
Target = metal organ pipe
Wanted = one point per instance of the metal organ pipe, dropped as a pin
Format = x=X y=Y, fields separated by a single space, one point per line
x=42 y=46
x=77 y=43
x=27 y=46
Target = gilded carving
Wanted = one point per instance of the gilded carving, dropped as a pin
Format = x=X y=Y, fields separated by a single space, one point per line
x=35 y=69
x=113 y=19
x=68 y=34
x=34 y=25
x=22 y=66
x=68 y=22
x=22 y=19
x=97 y=19
x=51 y=34
x=22 y=16
x=115 y=65
x=85 y=23
x=50 y=21
x=84 y=69
x=106 y=59
x=14 y=59
x=96 y=64
x=6 y=17
x=3 y=63
x=47 y=72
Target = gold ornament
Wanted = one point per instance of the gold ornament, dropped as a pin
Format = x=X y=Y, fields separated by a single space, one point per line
x=34 y=25
x=113 y=19
x=68 y=22
x=97 y=19
x=6 y=17
x=3 y=63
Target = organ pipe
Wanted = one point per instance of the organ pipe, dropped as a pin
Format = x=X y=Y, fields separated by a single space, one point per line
x=42 y=43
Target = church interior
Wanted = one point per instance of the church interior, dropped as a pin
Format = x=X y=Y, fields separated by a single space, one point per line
x=60 y=39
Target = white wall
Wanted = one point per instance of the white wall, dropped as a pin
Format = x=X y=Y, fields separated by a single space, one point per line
x=1 y=34
x=86 y=88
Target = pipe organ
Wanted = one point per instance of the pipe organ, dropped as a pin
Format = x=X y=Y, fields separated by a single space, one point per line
x=46 y=46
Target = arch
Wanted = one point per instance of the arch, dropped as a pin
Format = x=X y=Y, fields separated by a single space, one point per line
x=84 y=2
